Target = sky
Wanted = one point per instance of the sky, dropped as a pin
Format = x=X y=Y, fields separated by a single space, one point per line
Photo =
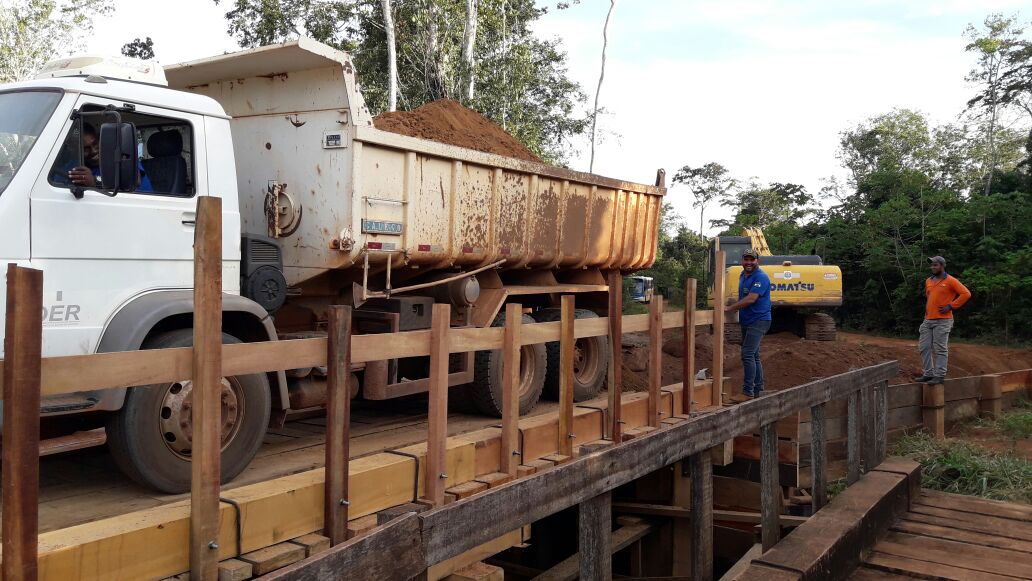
x=763 y=87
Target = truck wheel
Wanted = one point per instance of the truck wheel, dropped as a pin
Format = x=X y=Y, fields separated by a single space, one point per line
x=150 y=436
x=733 y=333
x=820 y=327
x=486 y=389
x=590 y=360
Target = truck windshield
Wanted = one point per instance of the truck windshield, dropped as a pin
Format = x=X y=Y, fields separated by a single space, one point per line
x=23 y=115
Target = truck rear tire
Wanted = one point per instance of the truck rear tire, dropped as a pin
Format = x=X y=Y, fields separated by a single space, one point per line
x=590 y=361
x=150 y=436
x=486 y=390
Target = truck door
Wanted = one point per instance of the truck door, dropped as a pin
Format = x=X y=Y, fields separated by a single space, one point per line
x=99 y=251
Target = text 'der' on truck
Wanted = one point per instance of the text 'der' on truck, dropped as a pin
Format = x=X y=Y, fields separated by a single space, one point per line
x=320 y=208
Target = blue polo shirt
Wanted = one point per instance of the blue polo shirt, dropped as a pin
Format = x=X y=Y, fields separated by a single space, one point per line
x=758 y=282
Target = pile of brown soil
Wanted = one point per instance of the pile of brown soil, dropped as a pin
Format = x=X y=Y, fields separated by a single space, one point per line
x=447 y=121
x=789 y=360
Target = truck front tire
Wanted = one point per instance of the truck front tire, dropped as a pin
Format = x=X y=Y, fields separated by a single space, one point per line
x=150 y=436
x=486 y=390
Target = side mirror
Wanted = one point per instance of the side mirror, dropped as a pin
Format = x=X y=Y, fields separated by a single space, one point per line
x=119 y=158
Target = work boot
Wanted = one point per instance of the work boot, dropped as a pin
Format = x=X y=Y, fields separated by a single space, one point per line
x=937 y=381
x=923 y=379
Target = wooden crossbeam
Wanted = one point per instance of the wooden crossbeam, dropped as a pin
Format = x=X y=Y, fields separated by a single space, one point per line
x=679 y=512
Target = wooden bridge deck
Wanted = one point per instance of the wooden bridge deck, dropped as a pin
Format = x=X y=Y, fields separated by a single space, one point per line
x=950 y=536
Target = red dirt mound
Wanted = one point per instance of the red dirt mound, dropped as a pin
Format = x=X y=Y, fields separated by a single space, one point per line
x=789 y=360
x=447 y=121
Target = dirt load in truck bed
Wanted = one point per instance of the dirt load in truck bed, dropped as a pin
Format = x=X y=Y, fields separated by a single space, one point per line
x=447 y=121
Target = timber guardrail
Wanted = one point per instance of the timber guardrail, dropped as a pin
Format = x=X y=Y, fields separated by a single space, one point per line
x=26 y=377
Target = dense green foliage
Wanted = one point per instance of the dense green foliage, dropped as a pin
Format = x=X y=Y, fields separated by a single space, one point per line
x=519 y=80
x=963 y=191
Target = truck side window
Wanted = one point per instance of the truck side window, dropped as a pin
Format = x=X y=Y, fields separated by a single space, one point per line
x=166 y=154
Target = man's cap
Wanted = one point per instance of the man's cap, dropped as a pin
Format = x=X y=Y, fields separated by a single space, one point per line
x=751 y=254
x=938 y=259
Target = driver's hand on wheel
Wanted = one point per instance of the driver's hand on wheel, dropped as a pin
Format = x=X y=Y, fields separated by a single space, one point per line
x=82 y=176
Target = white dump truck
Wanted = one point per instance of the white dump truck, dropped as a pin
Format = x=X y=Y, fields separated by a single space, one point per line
x=100 y=162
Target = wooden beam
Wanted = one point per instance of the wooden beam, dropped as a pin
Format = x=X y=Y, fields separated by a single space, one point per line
x=437 y=413
x=681 y=529
x=770 y=487
x=702 y=515
x=853 y=442
x=933 y=403
x=688 y=340
x=867 y=452
x=510 y=448
x=595 y=537
x=338 y=424
x=818 y=458
x=718 y=328
x=567 y=345
x=463 y=525
x=615 y=279
x=569 y=568
x=23 y=340
x=206 y=444
x=881 y=420
x=681 y=513
x=655 y=358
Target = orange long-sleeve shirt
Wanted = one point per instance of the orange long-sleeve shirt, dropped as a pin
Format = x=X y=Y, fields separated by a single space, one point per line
x=945 y=291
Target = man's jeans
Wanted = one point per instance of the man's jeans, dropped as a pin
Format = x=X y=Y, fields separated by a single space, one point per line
x=752 y=334
x=934 y=345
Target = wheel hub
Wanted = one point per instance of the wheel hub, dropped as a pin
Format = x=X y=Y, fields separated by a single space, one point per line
x=176 y=415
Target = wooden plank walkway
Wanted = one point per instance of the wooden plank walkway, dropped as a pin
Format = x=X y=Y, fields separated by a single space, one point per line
x=951 y=536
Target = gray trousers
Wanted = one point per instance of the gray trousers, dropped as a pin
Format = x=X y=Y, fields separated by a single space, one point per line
x=934 y=345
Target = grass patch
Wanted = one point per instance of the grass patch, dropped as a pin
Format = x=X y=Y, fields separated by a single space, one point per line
x=964 y=468
x=1015 y=424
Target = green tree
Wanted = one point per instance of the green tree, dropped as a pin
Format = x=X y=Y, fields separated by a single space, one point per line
x=33 y=32
x=707 y=183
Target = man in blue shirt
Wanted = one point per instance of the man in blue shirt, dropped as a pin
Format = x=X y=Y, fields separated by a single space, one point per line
x=754 y=304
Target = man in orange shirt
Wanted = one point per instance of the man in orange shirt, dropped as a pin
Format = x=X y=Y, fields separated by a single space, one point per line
x=945 y=294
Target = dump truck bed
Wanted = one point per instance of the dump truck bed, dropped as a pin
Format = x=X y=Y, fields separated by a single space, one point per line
x=313 y=171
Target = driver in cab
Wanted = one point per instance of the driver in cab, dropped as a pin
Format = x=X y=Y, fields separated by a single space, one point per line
x=87 y=175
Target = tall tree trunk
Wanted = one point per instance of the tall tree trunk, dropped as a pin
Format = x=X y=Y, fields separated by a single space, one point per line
x=601 y=75
x=702 y=211
x=435 y=59
x=469 y=38
x=392 y=56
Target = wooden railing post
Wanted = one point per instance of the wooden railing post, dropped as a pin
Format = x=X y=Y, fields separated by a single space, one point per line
x=655 y=358
x=702 y=515
x=338 y=424
x=595 y=526
x=718 y=329
x=818 y=457
x=510 y=448
x=867 y=452
x=933 y=409
x=853 y=442
x=990 y=394
x=615 y=280
x=770 y=487
x=437 y=410
x=688 y=340
x=567 y=345
x=881 y=421
x=23 y=340
x=206 y=444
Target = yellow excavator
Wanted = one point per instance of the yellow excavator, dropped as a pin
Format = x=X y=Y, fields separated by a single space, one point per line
x=803 y=288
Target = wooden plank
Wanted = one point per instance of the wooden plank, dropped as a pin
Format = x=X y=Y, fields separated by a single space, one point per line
x=688 y=340
x=956 y=554
x=717 y=366
x=770 y=488
x=437 y=412
x=924 y=569
x=702 y=515
x=818 y=458
x=495 y=479
x=271 y=558
x=615 y=384
x=655 y=378
x=235 y=570
x=23 y=340
x=468 y=524
x=390 y=551
x=950 y=533
x=984 y=506
x=467 y=489
x=569 y=569
x=853 y=435
x=881 y=421
x=980 y=523
x=678 y=512
x=567 y=345
x=868 y=420
x=338 y=424
x=593 y=545
x=206 y=454
x=312 y=543
x=510 y=448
